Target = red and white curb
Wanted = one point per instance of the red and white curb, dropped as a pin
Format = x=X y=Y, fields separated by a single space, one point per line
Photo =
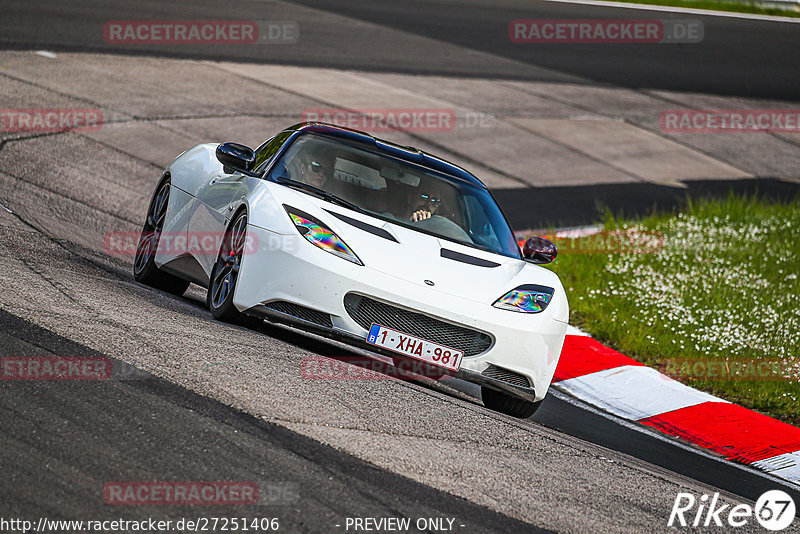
x=614 y=383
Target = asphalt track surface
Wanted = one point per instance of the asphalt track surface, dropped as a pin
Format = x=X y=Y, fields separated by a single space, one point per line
x=208 y=401
x=739 y=57
x=147 y=427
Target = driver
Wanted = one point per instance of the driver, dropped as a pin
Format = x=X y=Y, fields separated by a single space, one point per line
x=429 y=212
x=424 y=205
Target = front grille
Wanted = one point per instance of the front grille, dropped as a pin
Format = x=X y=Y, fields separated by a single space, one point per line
x=366 y=311
x=498 y=373
x=301 y=312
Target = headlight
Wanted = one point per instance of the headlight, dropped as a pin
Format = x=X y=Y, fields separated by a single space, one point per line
x=526 y=299
x=316 y=233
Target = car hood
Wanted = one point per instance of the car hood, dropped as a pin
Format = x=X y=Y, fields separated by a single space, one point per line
x=443 y=266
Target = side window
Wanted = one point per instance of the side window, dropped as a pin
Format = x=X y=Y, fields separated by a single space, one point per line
x=268 y=149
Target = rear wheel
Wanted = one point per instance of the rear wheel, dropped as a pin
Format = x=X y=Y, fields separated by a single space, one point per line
x=144 y=267
x=226 y=272
x=503 y=403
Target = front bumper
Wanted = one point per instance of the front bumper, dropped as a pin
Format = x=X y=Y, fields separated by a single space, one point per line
x=291 y=270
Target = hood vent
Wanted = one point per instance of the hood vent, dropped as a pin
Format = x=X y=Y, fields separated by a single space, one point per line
x=466 y=258
x=380 y=232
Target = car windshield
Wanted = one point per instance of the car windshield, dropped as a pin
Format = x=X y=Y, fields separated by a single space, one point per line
x=398 y=192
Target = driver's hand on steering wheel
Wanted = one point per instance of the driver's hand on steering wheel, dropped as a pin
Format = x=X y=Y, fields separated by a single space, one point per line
x=420 y=215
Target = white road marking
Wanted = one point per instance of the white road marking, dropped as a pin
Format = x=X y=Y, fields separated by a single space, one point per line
x=634 y=392
x=575 y=331
x=45 y=53
x=786 y=466
x=687 y=10
x=653 y=433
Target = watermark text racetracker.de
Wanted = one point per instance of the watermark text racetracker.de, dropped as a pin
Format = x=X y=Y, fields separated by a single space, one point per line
x=55 y=368
x=180 y=493
x=774 y=510
x=730 y=121
x=623 y=241
x=200 y=493
x=198 y=32
x=398 y=119
x=734 y=368
x=363 y=368
x=605 y=31
x=196 y=243
x=50 y=120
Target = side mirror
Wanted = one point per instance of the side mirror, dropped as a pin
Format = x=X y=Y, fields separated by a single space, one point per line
x=236 y=157
x=539 y=250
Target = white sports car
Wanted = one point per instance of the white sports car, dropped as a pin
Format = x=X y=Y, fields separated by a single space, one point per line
x=381 y=246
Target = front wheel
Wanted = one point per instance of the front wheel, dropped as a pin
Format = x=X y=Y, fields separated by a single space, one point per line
x=226 y=272
x=503 y=403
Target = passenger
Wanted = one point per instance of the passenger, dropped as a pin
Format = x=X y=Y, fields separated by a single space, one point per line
x=312 y=169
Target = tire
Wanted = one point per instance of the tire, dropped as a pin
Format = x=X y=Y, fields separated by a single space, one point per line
x=144 y=267
x=503 y=403
x=225 y=273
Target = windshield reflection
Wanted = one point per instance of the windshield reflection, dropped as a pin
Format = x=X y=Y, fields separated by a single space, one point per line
x=399 y=192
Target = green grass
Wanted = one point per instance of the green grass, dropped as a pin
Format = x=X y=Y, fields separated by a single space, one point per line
x=738 y=7
x=722 y=284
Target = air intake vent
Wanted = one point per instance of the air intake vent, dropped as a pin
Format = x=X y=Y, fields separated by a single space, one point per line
x=366 y=311
x=301 y=312
x=510 y=377
x=466 y=258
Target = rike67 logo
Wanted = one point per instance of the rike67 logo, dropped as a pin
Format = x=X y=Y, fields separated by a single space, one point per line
x=775 y=510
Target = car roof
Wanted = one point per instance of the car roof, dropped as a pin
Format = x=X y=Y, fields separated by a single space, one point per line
x=407 y=153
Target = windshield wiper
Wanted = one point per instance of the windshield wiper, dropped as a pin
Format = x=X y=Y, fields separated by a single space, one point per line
x=330 y=197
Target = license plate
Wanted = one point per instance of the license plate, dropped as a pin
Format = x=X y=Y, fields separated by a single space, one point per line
x=415 y=347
